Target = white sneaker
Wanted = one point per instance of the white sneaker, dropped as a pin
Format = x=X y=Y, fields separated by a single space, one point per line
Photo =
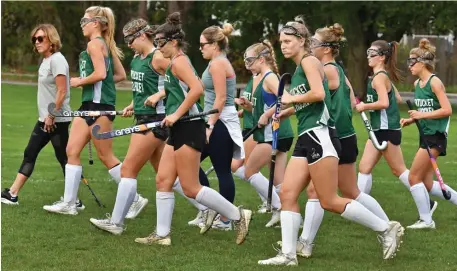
x=61 y=207
x=153 y=238
x=262 y=208
x=280 y=259
x=198 y=220
x=303 y=249
x=107 y=225
x=391 y=239
x=220 y=225
x=79 y=204
x=275 y=219
x=208 y=218
x=420 y=224
x=136 y=207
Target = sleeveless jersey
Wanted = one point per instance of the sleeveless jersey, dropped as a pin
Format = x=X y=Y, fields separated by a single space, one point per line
x=145 y=82
x=310 y=115
x=176 y=91
x=263 y=101
x=340 y=108
x=248 y=121
x=426 y=101
x=385 y=119
x=103 y=92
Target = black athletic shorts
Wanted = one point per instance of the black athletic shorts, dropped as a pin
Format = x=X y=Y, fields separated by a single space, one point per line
x=317 y=144
x=159 y=132
x=245 y=131
x=284 y=144
x=91 y=106
x=190 y=133
x=349 y=150
x=392 y=136
x=437 y=141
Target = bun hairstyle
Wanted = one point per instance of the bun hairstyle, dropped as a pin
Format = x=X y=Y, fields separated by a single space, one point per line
x=215 y=34
x=332 y=36
x=265 y=50
x=298 y=28
x=136 y=25
x=425 y=53
x=172 y=29
x=389 y=50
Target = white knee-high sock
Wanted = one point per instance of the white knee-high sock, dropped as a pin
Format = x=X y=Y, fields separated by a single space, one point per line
x=178 y=188
x=364 y=182
x=165 y=202
x=72 y=180
x=115 y=173
x=290 y=223
x=356 y=212
x=404 y=178
x=422 y=200
x=240 y=173
x=371 y=204
x=314 y=213
x=436 y=191
x=260 y=183
x=218 y=203
x=126 y=191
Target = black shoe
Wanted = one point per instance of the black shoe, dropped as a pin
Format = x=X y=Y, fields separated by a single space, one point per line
x=79 y=205
x=8 y=199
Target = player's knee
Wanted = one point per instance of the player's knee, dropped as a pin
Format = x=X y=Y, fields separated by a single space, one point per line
x=396 y=171
x=127 y=171
x=29 y=155
x=190 y=192
x=414 y=178
x=161 y=183
x=364 y=168
x=311 y=192
x=350 y=192
x=329 y=203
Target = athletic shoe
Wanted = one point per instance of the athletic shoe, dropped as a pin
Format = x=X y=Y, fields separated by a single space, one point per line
x=221 y=225
x=153 y=238
x=8 y=199
x=107 y=225
x=79 y=204
x=61 y=207
x=262 y=208
x=198 y=221
x=280 y=259
x=136 y=207
x=391 y=239
x=420 y=224
x=208 y=218
x=275 y=219
x=433 y=205
x=303 y=249
x=242 y=225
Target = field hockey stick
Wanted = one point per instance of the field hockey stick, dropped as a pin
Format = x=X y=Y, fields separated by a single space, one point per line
x=374 y=140
x=245 y=137
x=446 y=194
x=71 y=114
x=275 y=127
x=144 y=127
x=84 y=180
x=89 y=149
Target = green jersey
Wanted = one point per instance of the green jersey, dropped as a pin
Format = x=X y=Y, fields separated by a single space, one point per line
x=426 y=101
x=248 y=122
x=384 y=119
x=176 y=91
x=103 y=92
x=310 y=115
x=263 y=101
x=145 y=82
x=341 y=109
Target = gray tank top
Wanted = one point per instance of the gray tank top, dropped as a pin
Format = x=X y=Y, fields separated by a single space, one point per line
x=210 y=94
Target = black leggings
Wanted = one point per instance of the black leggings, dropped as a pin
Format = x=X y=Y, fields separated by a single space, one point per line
x=38 y=139
x=220 y=151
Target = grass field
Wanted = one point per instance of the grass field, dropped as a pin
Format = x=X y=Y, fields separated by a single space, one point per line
x=33 y=239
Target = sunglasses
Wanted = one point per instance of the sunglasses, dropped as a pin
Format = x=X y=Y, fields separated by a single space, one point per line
x=129 y=39
x=160 y=42
x=202 y=44
x=40 y=39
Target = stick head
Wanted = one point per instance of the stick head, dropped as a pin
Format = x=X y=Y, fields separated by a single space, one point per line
x=383 y=146
x=52 y=110
x=447 y=194
x=95 y=130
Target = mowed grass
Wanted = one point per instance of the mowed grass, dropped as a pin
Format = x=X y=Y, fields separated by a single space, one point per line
x=33 y=239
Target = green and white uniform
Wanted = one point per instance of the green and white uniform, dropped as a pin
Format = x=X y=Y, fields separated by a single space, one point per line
x=426 y=101
x=248 y=121
x=145 y=82
x=384 y=119
x=262 y=102
x=340 y=108
x=102 y=92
